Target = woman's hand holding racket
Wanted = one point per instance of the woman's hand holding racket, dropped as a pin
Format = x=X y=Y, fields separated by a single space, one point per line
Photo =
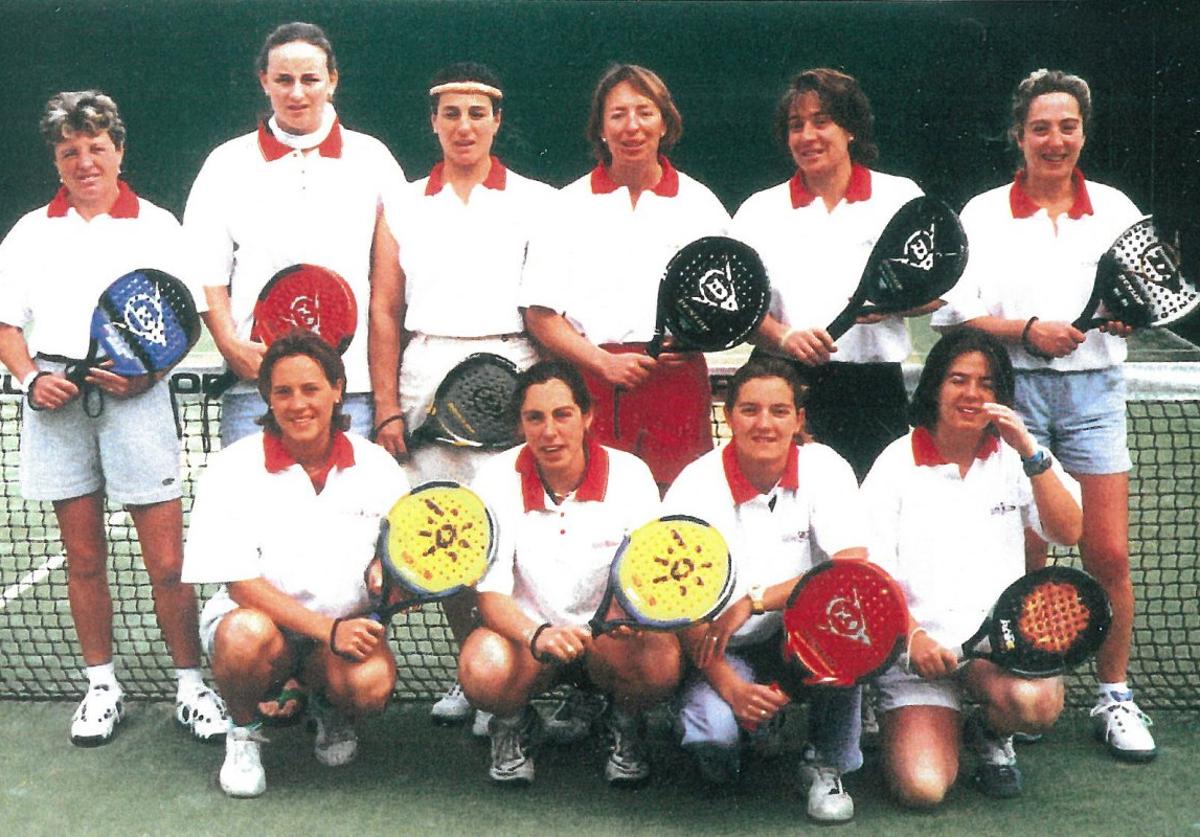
x=627 y=369
x=929 y=658
x=561 y=643
x=356 y=638
x=752 y=703
x=1050 y=339
x=116 y=385
x=244 y=357
x=390 y=434
x=810 y=346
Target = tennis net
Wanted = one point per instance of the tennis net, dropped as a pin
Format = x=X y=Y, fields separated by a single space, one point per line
x=39 y=656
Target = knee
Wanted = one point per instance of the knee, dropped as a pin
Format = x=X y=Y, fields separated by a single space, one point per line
x=368 y=689
x=1035 y=704
x=245 y=639
x=485 y=667
x=1107 y=559
x=88 y=568
x=921 y=787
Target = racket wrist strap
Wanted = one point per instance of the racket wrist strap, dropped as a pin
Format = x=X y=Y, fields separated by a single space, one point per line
x=908 y=645
x=389 y=420
x=1026 y=344
x=333 y=639
x=28 y=383
x=784 y=337
x=533 y=638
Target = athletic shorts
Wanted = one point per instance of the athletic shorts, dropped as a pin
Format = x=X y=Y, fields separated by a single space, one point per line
x=129 y=450
x=666 y=422
x=1079 y=416
x=240 y=412
x=220 y=605
x=897 y=687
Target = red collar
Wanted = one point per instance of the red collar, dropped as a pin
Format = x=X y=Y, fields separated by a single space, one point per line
x=741 y=488
x=859 y=188
x=1023 y=206
x=925 y=452
x=497 y=177
x=125 y=206
x=593 y=488
x=272 y=149
x=667 y=186
x=277 y=457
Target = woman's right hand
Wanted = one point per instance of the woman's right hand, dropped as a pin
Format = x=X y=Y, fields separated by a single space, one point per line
x=810 y=346
x=627 y=369
x=753 y=703
x=1053 y=339
x=52 y=391
x=563 y=643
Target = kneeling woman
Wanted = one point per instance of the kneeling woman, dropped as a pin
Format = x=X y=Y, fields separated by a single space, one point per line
x=286 y=520
x=951 y=502
x=562 y=503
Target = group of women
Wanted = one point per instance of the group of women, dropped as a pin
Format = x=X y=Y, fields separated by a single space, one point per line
x=476 y=257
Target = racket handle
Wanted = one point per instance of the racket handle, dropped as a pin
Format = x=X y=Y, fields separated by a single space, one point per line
x=843 y=323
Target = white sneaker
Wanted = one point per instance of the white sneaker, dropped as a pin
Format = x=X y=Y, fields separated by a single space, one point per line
x=337 y=742
x=479 y=727
x=201 y=711
x=1123 y=728
x=828 y=800
x=452 y=708
x=512 y=742
x=572 y=719
x=96 y=718
x=242 y=773
x=627 y=762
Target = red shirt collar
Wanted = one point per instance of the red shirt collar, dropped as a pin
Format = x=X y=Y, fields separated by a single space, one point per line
x=741 y=489
x=925 y=452
x=125 y=206
x=1023 y=206
x=593 y=488
x=667 y=186
x=277 y=458
x=497 y=177
x=859 y=188
x=272 y=149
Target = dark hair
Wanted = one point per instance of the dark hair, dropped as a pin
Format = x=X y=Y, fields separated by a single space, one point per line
x=1041 y=82
x=295 y=343
x=766 y=366
x=467 y=71
x=81 y=112
x=844 y=101
x=923 y=412
x=545 y=371
x=649 y=85
x=287 y=33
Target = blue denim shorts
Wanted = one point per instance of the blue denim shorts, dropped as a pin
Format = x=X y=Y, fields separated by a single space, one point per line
x=1079 y=416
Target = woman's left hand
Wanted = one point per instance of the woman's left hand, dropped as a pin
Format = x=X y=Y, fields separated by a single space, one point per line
x=1012 y=430
x=709 y=643
x=118 y=385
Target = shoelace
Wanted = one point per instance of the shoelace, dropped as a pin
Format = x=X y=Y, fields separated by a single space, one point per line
x=508 y=745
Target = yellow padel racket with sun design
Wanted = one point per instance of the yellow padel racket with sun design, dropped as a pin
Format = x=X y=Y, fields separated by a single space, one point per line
x=667 y=574
x=436 y=541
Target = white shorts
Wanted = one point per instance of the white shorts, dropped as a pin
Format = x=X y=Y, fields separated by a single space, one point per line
x=898 y=687
x=130 y=450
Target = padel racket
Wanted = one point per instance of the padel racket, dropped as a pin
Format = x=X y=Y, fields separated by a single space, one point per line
x=1139 y=281
x=436 y=541
x=845 y=621
x=1044 y=623
x=713 y=295
x=471 y=407
x=920 y=255
x=301 y=296
x=668 y=574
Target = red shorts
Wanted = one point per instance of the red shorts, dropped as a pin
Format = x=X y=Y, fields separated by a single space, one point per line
x=667 y=421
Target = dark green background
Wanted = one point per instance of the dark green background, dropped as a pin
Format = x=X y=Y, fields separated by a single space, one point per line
x=939 y=76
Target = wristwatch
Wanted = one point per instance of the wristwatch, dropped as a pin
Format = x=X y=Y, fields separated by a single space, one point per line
x=756 y=594
x=1036 y=464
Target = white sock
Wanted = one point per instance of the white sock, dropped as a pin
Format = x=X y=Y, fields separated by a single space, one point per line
x=104 y=675
x=1106 y=690
x=188 y=679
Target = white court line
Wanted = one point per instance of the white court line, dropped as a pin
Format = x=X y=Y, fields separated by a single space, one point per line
x=31 y=578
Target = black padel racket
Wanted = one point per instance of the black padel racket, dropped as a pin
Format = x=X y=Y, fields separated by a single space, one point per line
x=302 y=296
x=713 y=295
x=845 y=621
x=434 y=542
x=1139 y=281
x=920 y=255
x=471 y=407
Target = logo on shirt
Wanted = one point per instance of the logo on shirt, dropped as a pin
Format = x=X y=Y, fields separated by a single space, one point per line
x=1003 y=508
x=798 y=536
x=716 y=289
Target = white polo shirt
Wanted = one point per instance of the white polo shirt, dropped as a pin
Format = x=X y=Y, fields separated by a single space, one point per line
x=815 y=257
x=463 y=261
x=54 y=265
x=812 y=514
x=256 y=516
x=1022 y=266
x=953 y=543
x=258 y=206
x=554 y=559
x=599 y=260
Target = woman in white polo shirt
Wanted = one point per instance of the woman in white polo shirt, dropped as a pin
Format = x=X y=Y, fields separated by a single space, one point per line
x=54 y=264
x=590 y=289
x=815 y=233
x=1034 y=248
x=951 y=502
x=562 y=502
x=300 y=189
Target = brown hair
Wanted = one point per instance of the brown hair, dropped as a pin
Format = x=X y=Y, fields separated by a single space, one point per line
x=649 y=85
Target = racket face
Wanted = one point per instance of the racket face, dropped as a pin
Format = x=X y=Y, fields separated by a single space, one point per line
x=672 y=572
x=1140 y=280
x=919 y=256
x=845 y=621
x=437 y=540
x=1048 y=621
x=145 y=322
x=714 y=293
x=471 y=406
x=308 y=297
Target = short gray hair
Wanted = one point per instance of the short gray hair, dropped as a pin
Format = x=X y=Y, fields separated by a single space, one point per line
x=1039 y=83
x=81 y=111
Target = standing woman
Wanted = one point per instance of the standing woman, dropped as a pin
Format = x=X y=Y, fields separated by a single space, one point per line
x=462 y=234
x=1034 y=248
x=300 y=189
x=53 y=266
x=815 y=233
x=590 y=290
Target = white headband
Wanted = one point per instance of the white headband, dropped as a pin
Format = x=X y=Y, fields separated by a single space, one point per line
x=466 y=87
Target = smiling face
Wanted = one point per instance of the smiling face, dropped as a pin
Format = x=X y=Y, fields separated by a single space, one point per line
x=764 y=421
x=89 y=166
x=302 y=400
x=466 y=127
x=967 y=386
x=299 y=85
x=633 y=126
x=1052 y=136
x=820 y=147
x=554 y=428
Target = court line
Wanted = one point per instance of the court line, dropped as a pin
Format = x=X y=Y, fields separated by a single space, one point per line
x=31 y=578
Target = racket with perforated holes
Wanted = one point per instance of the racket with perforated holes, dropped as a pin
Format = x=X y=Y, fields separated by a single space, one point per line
x=471 y=405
